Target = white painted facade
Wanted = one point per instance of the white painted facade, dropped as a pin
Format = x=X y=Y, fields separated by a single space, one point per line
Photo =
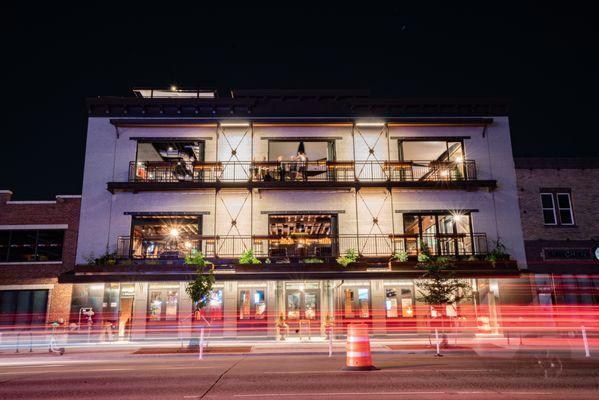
x=110 y=150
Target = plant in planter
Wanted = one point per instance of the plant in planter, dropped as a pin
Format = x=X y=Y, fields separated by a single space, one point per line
x=103 y=260
x=425 y=253
x=498 y=253
x=313 y=260
x=248 y=258
x=199 y=289
x=351 y=255
x=401 y=256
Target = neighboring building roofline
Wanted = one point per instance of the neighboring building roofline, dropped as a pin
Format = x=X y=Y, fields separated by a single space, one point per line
x=557 y=162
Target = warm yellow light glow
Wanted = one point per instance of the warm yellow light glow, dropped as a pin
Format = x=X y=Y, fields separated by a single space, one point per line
x=187 y=245
x=370 y=123
x=233 y=124
x=445 y=173
x=459 y=159
x=174 y=232
x=173 y=88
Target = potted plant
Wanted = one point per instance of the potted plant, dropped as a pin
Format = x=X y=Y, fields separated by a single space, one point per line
x=247 y=257
x=351 y=256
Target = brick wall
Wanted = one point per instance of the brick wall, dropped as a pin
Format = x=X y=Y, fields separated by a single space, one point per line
x=585 y=192
x=65 y=210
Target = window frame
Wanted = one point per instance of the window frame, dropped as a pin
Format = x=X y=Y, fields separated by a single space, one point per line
x=7 y=258
x=543 y=209
x=570 y=208
x=554 y=194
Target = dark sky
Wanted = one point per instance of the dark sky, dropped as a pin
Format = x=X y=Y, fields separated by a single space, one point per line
x=543 y=58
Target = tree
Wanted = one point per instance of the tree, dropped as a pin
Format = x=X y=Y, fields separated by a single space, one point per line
x=199 y=289
x=439 y=284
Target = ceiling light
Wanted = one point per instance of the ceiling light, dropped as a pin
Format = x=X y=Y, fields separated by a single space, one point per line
x=173 y=88
x=234 y=124
x=174 y=232
x=370 y=123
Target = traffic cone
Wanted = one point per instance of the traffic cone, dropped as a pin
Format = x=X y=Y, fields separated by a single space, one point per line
x=358 y=349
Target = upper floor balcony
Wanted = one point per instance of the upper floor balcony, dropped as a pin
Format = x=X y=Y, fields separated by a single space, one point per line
x=434 y=174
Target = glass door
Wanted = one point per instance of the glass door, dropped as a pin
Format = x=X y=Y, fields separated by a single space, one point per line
x=251 y=311
x=399 y=307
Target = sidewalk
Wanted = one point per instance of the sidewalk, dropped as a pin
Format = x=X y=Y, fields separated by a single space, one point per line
x=489 y=345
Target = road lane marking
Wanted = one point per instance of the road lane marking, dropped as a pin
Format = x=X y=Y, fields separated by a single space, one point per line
x=382 y=370
x=20 y=371
x=387 y=394
x=336 y=394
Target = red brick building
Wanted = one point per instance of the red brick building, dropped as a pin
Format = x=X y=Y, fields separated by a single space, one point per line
x=38 y=241
x=560 y=222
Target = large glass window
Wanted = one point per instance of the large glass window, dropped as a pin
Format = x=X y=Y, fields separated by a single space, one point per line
x=23 y=307
x=167 y=160
x=440 y=233
x=302 y=235
x=163 y=301
x=31 y=245
x=165 y=236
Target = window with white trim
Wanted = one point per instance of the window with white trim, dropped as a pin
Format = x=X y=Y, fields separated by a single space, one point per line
x=564 y=206
x=548 y=208
x=556 y=206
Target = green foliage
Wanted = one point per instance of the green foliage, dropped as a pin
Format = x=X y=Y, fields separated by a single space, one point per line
x=439 y=285
x=401 y=256
x=248 y=258
x=103 y=260
x=313 y=260
x=498 y=253
x=267 y=261
x=425 y=253
x=199 y=289
x=351 y=255
x=422 y=257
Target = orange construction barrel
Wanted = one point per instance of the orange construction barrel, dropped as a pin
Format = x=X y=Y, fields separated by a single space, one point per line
x=358 y=349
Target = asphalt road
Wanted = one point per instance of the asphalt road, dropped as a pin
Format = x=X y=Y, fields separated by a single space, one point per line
x=121 y=375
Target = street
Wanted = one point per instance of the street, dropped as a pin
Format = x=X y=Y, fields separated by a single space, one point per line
x=419 y=375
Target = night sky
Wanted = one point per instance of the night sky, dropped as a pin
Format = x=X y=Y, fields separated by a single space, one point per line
x=543 y=59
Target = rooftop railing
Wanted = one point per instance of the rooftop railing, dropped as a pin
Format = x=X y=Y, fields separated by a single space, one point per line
x=305 y=246
x=310 y=171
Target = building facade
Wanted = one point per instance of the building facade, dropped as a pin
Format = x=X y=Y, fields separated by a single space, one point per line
x=37 y=243
x=560 y=225
x=300 y=179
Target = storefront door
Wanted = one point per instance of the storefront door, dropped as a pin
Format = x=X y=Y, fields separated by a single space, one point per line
x=399 y=307
x=251 y=311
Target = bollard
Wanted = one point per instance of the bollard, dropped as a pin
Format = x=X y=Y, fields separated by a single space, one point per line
x=201 y=353
x=437 y=340
x=587 y=352
x=331 y=341
x=358 y=349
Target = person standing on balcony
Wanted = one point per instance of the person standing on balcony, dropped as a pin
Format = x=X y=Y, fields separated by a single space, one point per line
x=302 y=161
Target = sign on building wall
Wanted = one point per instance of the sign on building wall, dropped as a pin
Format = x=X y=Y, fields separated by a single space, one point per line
x=567 y=254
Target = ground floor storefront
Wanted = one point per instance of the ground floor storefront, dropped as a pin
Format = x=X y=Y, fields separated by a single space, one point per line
x=283 y=308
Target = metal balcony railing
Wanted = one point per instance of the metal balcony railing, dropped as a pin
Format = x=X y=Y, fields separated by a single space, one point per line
x=310 y=171
x=307 y=246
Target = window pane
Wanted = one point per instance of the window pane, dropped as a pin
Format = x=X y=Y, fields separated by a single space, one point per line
x=22 y=246
x=4 y=238
x=547 y=200
x=563 y=200
x=565 y=217
x=548 y=217
x=49 y=245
